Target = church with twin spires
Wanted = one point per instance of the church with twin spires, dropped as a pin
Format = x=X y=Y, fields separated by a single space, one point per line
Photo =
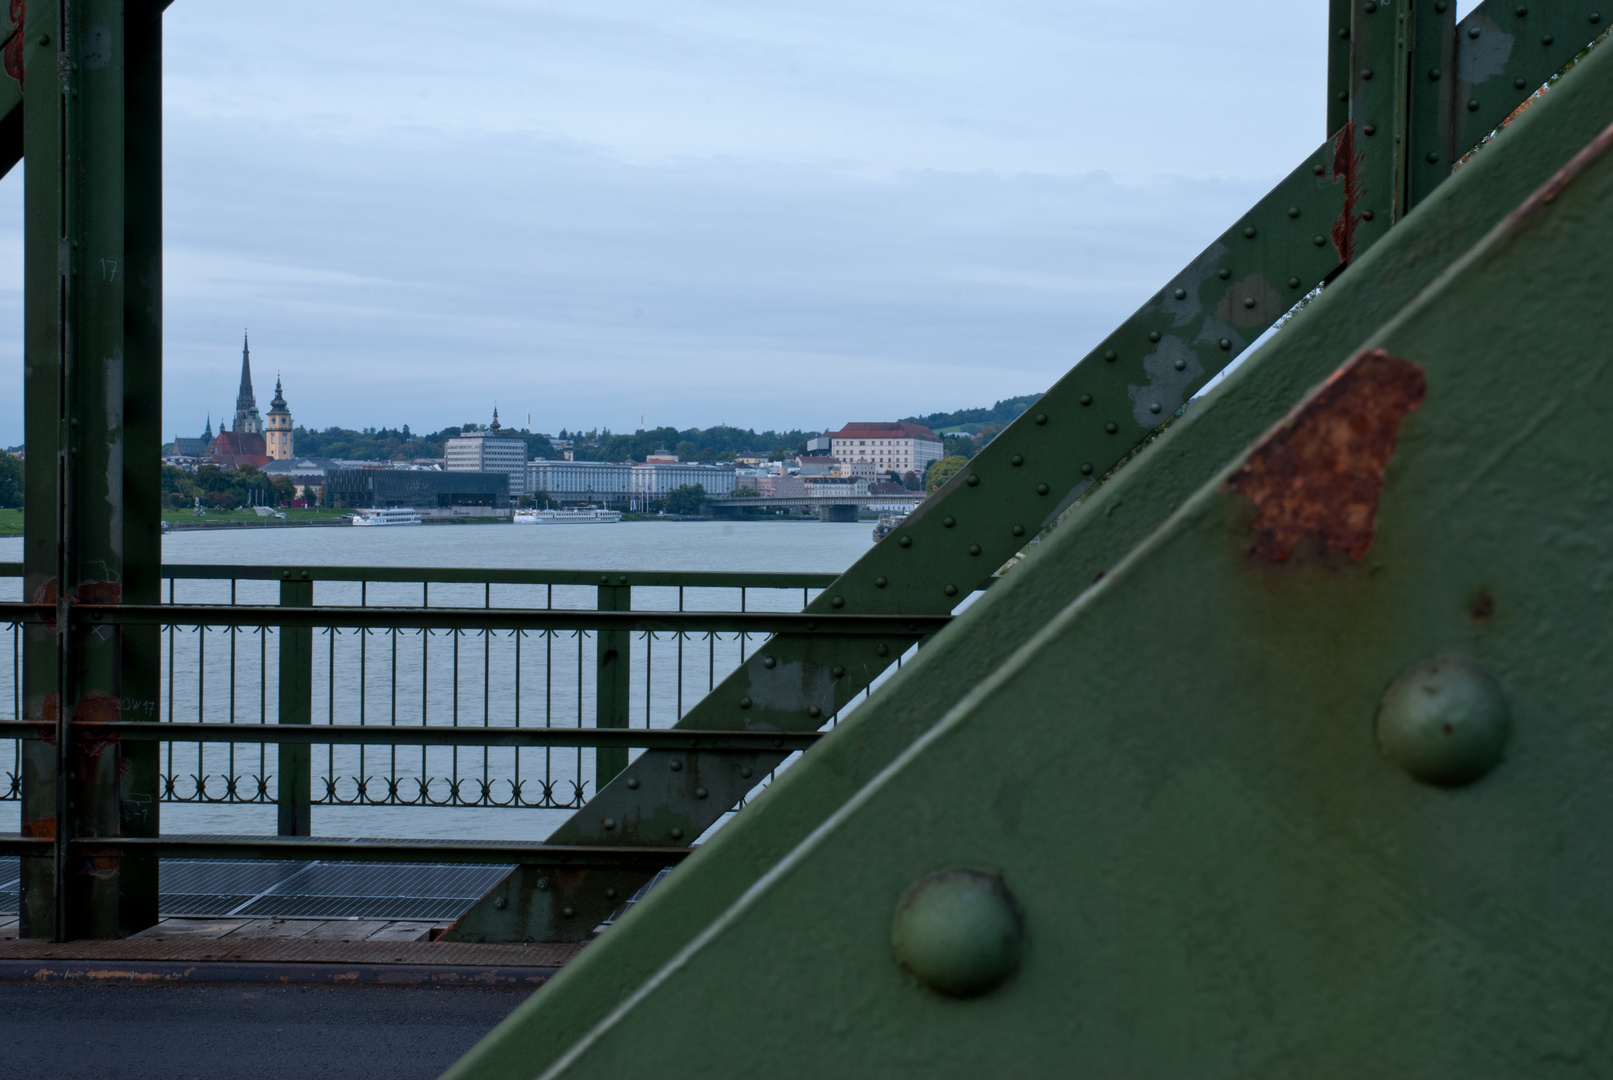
x=252 y=440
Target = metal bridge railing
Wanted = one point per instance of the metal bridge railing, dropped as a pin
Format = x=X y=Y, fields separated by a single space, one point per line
x=376 y=686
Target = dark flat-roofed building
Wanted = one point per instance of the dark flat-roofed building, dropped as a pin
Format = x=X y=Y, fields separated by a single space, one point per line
x=420 y=489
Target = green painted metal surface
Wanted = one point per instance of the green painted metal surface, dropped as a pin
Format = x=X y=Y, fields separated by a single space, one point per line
x=294 y=799
x=1097 y=534
x=1219 y=869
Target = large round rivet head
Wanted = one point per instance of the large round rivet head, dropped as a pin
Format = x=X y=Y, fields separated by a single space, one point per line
x=959 y=932
x=1444 y=721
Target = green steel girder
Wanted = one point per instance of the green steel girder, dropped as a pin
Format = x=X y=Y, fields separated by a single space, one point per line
x=1098 y=533
x=1219 y=869
x=1293 y=239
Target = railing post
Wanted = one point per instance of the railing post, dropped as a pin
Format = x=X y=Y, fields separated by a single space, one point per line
x=611 y=686
x=296 y=707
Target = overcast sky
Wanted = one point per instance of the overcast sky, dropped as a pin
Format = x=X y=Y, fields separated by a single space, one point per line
x=766 y=214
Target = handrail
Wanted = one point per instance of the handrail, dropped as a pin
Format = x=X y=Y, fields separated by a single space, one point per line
x=486 y=618
x=416 y=735
x=325 y=849
x=450 y=575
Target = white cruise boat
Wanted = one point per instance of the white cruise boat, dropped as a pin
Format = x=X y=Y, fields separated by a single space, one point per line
x=394 y=516
x=593 y=515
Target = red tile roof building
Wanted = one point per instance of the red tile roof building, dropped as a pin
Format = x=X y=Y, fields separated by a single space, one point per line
x=891 y=447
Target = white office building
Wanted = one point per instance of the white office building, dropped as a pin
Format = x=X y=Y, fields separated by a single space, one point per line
x=653 y=480
x=488 y=451
x=890 y=447
x=604 y=483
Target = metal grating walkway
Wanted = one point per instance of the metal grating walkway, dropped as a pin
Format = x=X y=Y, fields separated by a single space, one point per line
x=315 y=890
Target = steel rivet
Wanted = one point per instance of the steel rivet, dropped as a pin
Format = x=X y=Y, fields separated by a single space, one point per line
x=677 y=834
x=1225 y=343
x=1180 y=294
x=777 y=743
x=1293 y=211
x=1519 y=84
x=44 y=39
x=814 y=712
x=622 y=579
x=1521 y=12
x=1433 y=157
x=1320 y=171
x=837 y=671
x=609 y=823
x=305 y=573
x=1041 y=418
x=1248 y=232
x=1472 y=104
x=543 y=884
x=1223 y=273
x=1018 y=530
x=677 y=766
x=1153 y=335
x=1248 y=301
x=1153 y=406
x=286 y=574
x=973 y=480
x=1595 y=17
x=1343 y=95
x=745 y=772
x=974 y=549
x=744 y=703
x=1441 y=6
x=1366 y=73
x=1444 y=721
x=1109 y=355
x=1344 y=33
x=948 y=521
x=1086 y=470
x=1041 y=489
x=1434 y=74
x=1370 y=6
x=837 y=601
x=700 y=793
x=1180 y=365
x=1547 y=40
x=1293 y=283
x=610 y=894
x=951 y=590
x=882 y=649
x=1086 y=399
x=570 y=912
x=1111 y=427
x=959 y=932
x=905 y=541
x=500 y=903
x=1473 y=32
x=1370 y=129
x=812 y=624
x=1366 y=215
x=1017 y=459
x=604 y=579
x=1318 y=239
x=879 y=583
x=769 y=662
x=632 y=783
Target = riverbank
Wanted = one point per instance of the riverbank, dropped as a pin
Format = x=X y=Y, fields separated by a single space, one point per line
x=10 y=522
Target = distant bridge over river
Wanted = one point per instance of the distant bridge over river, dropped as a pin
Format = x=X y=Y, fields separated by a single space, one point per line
x=829 y=507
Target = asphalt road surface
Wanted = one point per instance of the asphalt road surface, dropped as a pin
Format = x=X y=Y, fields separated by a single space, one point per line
x=66 y=1031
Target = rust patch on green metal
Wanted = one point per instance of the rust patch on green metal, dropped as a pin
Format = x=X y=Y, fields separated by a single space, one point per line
x=1319 y=473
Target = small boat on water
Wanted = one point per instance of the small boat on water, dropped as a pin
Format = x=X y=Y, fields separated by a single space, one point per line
x=887 y=522
x=394 y=516
x=592 y=515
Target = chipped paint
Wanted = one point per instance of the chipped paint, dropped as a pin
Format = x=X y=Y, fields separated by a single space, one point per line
x=13 y=47
x=1234 y=308
x=1318 y=474
x=1167 y=388
x=1481 y=58
x=1347 y=167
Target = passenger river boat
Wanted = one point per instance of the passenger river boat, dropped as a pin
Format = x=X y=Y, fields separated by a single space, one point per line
x=592 y=515
x=394 y=516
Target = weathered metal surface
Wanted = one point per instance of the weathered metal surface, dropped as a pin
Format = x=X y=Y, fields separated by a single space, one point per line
x=1084 y=549
x=1317 y=476
x=1261 y=890
x=1506 y=51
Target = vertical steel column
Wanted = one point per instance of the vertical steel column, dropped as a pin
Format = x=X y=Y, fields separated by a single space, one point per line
x=1339 y=56
x=611 y=683
x=74 y=138
x=1396 y=145
x=142 y=420
x=296 y=707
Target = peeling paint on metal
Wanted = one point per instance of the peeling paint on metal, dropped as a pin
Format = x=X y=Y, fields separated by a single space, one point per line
x=1166 y=387
x=792 y=686
x=14 y=44
x=1483 y=57
x=1347 y=167
x=1255 y=287
x=1318 y=474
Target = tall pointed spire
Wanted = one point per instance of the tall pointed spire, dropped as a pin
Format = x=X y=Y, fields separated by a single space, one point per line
x=208 y=433
x=495 y=428
x=245 y=402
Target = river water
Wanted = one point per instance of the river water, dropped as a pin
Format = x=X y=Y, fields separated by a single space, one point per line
x=477 y=687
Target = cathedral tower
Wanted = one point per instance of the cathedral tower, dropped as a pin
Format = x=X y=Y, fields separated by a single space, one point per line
x=278 y=433
x=248 y=420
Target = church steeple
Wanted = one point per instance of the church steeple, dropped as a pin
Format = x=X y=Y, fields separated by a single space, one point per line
x=208 y=433
x=494 y=429
x=247 y=418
